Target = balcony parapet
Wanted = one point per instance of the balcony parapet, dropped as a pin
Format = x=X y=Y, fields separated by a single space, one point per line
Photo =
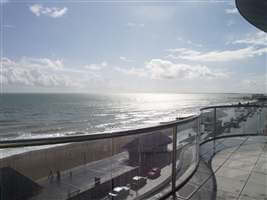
x=99 y=165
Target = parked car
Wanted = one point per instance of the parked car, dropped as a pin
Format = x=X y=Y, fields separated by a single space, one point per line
x=235 y=124
x=138 y=182
x=119 y=193
x=154 y=173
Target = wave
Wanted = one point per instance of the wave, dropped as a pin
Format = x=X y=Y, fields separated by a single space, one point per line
x=47 y=130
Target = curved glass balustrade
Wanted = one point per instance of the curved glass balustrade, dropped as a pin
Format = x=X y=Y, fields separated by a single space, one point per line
x=148 y=163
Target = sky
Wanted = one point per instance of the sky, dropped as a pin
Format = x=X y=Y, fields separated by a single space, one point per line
x=133 y=46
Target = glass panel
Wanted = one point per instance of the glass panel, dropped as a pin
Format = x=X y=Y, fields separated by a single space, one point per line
x=239 y=120
x=187 y=151
x=207 y=131
x=262 y=121
x=207 y=123
x=144 y=163
x=68 y=171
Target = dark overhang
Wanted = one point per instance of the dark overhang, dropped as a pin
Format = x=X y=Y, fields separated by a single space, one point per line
x=254 y=11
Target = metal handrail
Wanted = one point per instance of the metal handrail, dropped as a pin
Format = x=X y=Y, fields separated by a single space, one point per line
x=232 y=106
x=93 y=137
x=83 y=138
x=98 y=136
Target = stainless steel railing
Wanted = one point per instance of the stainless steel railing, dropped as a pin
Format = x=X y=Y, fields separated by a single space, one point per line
x=167 y=156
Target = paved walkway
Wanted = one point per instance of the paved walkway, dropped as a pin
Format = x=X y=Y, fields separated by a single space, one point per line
x=82 y=177
x=241 y=172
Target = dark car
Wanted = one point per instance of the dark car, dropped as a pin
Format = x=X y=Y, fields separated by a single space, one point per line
x=119 y=193
x=235 y=124
x=154 y=173
x=138 y=182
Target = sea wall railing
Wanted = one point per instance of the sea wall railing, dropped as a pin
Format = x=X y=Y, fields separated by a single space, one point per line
x=151 y=162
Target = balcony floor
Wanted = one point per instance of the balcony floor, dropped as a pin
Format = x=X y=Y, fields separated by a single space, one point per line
x=238 y=171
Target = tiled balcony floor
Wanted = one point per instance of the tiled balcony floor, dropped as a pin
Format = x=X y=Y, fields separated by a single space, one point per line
x=238 y=171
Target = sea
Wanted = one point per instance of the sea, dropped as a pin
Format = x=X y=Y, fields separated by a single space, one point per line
x=53 y=115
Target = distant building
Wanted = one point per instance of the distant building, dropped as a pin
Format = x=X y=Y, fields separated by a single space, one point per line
x=149 y=151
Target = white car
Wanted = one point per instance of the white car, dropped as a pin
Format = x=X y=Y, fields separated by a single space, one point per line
x=119 y=193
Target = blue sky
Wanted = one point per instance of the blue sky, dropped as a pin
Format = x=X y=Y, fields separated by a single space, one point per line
x=110 y=46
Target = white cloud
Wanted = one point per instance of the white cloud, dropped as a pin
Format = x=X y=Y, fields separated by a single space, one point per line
x=43 y=63
x=96 y=67
x=104 y=64
x=231 y=11
x=53 y=12
x=216 y=56
x=132 y=24
x=255 y=83
x=126 y=59
x=93 y=67
x=164 y=69
x=132 y=71
x=257 y=39
x=37 y=72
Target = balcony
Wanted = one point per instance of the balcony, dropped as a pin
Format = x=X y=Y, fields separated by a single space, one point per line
x=219 y=154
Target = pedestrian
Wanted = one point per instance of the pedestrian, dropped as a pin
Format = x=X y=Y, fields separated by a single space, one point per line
x=51 y=175
x=58 y=176
x=70 y=175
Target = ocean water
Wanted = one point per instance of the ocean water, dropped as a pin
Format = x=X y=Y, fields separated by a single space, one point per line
x=49 y=115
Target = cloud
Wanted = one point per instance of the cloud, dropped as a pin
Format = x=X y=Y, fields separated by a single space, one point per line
x=257 y=39
x=132 y=24
x=54 y=12
x=164 y=69
x=96 y=67
x=126 y=59
x=231 y=11
x=37 y=72
x=141 y=72
x=104 y=64
x=216 y=56
x=42 y=63
x=255 y=83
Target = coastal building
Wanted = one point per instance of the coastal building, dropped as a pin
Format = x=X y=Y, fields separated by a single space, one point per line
x=149 y=151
